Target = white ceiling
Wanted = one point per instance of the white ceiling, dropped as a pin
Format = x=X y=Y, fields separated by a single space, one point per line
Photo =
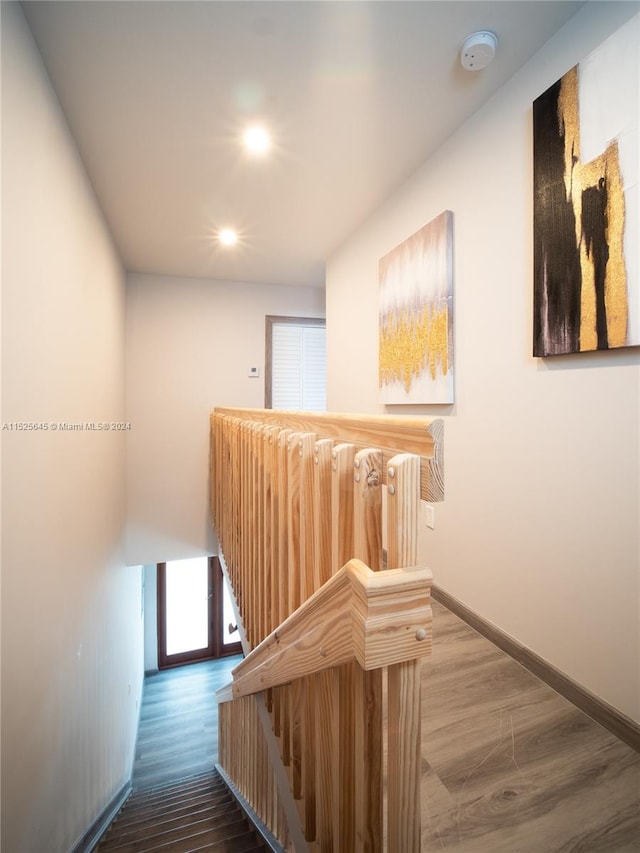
x=357 y=94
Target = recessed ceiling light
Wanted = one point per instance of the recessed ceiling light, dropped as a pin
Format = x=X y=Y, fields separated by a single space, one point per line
x=256 y=139
x=227 y=237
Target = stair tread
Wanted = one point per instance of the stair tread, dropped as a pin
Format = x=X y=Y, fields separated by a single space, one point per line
x=133 y=810
x=204 y=783
x=161 y=813
x=237 y=843
x=195 y=813
x=207 y=839
x=214 y=816
x=241 y=844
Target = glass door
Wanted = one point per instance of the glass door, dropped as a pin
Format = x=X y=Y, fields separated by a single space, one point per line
x=194 y=612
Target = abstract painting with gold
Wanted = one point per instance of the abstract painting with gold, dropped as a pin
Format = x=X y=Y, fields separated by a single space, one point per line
x=586 y=204
x=416 y=317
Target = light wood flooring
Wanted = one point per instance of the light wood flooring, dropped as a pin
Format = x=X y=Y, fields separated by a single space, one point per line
x=509 y=766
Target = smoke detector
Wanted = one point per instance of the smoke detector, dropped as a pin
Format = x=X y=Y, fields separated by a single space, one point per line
x=478 y=50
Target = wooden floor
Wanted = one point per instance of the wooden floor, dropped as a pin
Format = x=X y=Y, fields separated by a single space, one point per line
x=178 y=732
x=508 y=765
x=511 y=767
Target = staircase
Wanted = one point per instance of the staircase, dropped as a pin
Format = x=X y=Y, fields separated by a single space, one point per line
x=197 y=813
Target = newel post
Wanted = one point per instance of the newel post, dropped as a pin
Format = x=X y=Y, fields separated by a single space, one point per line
x=404 y=683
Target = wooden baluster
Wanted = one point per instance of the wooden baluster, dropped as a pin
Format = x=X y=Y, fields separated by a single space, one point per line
x=368 y=686
x=296 y=689
x=241 y=754
x=293 y=507
x=245 y=753
x=404 y=756
x=294 y=694
x=344 y=756
x=224 y=478
x=307 y=515
x=234 y=498
x=226 y=496
x=253 y=781
x=250 y=537
x=225 y=475
x=295 y=708
x=322 y=512
x=342 y=483
x=283 y=582
x=271 y=522
x=283 y=524
x=252 y=532
x=403 y=509
x=215 y=473
x=326 y=718
x=237 y=512
x=269 y=818
x=260 y=576
x=306 y=558
x=367 y=512
x=343 y=751
x=369 y=748
x=272 y=557
x=327 y=756
x=260 y=783
x=295 y=721
x=220 y=476
x=309 y=699
x=270 y=527
x=239 y=498
x=250 y=620
x=404 y=717
x=243 y=592
x=223 y=734
x=214 y=470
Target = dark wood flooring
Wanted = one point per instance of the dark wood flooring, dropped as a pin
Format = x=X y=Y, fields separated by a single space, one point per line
x=195 y=814
x=509 y=766
x=178 y=732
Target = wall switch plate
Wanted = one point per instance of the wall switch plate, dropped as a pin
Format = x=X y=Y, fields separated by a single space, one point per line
x=253 y=373
x=431 y=517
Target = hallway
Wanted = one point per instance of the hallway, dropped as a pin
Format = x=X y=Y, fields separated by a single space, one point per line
x=178 y=732
x=508 y=765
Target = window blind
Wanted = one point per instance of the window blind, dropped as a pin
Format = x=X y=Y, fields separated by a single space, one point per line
x=298 y=367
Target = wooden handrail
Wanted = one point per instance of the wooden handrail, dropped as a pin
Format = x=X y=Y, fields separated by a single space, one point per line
x=375 y=618
x=391 y=433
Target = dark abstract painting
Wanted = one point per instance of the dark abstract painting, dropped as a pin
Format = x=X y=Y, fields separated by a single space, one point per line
x=586 y=221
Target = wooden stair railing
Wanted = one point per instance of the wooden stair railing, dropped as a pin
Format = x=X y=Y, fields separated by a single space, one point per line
x=320 y=731
x=374 y=618
x=366 y=632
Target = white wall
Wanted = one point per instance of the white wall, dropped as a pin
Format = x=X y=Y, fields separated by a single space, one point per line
x=190 y=344
x=151 y=618
x=71 y=609
x=539 y=529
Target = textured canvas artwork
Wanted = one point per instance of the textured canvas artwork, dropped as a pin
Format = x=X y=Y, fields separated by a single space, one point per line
x=586 y=203
x=416 y=317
